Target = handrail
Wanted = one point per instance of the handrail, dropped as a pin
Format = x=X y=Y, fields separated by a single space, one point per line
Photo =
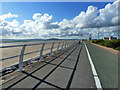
x=24 y=54
x=57 y=45
x=27 y=44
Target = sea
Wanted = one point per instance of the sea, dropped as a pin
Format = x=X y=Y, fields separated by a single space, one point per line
x=8 y=41
x=17 y=41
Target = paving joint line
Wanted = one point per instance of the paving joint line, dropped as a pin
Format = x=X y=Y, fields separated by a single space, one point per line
x=73 y=72
x=68 y=59
x=59 y=66
x=42 y=80
x=36 y=69
x=53 y=69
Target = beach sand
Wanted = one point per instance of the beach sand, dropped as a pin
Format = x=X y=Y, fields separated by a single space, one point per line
x=8 y=52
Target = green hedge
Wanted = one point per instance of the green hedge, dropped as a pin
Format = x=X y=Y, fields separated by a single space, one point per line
x=115 y=44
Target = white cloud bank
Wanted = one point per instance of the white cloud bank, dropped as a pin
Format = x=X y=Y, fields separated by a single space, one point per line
x=42 y=26
x=6 y=16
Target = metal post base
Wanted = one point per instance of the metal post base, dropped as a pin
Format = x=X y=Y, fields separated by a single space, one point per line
x=41 y=59
x=21 y=70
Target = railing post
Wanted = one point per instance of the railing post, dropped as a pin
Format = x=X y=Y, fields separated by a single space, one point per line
x=66 y=45
x=41 y=53
x=70 y=44
x=62 y=45
x=21 y=59
x=51 y=51
x=58 y=47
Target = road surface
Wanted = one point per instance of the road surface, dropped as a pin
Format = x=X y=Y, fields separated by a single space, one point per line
x=70 y=69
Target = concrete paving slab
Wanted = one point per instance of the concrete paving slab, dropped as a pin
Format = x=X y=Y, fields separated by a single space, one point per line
x=44 y=71
x=29 y=82
x=57 y=61
x=10 y=82
x=69 y=64
x=73 y=56
x=60 y=77
x=44 y=85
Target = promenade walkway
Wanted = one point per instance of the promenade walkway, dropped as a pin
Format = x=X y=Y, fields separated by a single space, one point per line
x=68 y=69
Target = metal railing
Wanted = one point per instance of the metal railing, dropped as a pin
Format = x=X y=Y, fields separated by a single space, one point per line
x=60 y=46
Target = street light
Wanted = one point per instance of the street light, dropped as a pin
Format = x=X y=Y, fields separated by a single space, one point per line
x=98 y=32
x=90 y=36
x=81 y=35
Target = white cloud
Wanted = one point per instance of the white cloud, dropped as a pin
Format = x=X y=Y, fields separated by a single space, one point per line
x=65 y=24
x=93 y=17
x=45 y=18
x=6 y=16
x=37 y=16
x=7 y=28
x=14 y=23
x=42 y=26
x=108 y=15
x=85 y=19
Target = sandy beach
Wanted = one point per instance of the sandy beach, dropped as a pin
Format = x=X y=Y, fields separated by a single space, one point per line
x=8 y=52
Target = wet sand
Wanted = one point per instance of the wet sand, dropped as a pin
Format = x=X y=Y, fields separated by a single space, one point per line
x=8 y=52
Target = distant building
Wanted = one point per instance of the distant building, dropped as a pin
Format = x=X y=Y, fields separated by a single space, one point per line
x=106 y=38
x=109 y=38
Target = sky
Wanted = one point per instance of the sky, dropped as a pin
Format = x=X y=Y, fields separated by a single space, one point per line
x=68 y=20
x=59 y=10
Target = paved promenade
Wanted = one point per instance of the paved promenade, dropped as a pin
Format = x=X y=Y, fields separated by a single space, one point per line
x=68 y=69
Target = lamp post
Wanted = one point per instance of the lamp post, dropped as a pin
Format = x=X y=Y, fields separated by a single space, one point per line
x=81 y=36
x=98 y=32
x=90 y=36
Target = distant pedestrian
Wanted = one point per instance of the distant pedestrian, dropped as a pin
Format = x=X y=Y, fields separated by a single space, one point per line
x=79 y=42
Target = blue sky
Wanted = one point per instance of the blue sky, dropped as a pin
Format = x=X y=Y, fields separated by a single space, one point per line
x=59 y=10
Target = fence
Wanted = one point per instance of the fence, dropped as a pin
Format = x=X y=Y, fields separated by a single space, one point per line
x=47 y=48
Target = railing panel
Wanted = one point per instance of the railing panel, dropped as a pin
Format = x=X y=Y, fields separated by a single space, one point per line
x=46 y=47
x=8 y=52
x=33 y=48
x=55 y=46
x=9 y=62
